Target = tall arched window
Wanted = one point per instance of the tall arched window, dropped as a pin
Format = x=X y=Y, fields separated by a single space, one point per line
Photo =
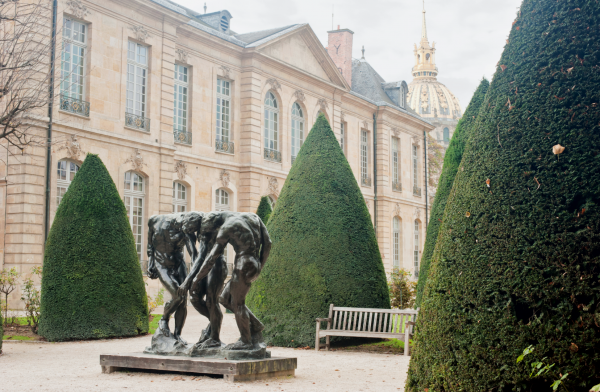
x=179 y=197
x=65 y=174
x=396 y=242
x=446 y=135
x=272 y=128
x=134 y=196
x=416 y=254
x=297 y=130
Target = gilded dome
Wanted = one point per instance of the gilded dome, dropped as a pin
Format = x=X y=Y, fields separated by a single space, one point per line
x=430 y=98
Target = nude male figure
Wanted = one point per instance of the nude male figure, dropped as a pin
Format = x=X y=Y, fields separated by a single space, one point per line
x=167 y=236
x=250 y=240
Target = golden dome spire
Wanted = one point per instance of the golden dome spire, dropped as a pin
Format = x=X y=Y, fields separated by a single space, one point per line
x=424 y=27
x=425 y=67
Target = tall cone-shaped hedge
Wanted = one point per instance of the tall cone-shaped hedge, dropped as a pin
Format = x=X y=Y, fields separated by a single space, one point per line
x=324 y=246
x=92 y=284
x=449 y=169
x=264 y=209
x=517 y=261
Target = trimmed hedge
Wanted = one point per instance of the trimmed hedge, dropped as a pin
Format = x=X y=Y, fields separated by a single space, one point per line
x=324 y=246
x=92 y=285
x=518 y=263
x=264 y=209
x=1 y=330
x=451 y=161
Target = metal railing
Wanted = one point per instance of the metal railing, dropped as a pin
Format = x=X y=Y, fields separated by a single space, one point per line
x=137 y=122
x=366 y=181
x=73 y=105
x=224 y=146
x=397 y=186
x=416 y=191
x=182 y=136
x=272 y=155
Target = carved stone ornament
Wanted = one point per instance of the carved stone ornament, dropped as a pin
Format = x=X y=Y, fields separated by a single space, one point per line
x=299 y=95
x=73 y=148
x=181 y=169
x=182 y=55
x=77 y=8
x=274 y=84
x=140 y=32
x=226 y=71
x=273 y=186
x=136 y=160
x=365 y=124
x=417 y=213
x=396 y=132
x=397 y=210
x=342 y=116
x=224 y=177
x=322 y=104
x=416 y=141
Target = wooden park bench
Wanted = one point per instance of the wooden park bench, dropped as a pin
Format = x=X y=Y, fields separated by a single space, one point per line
x=367 y=323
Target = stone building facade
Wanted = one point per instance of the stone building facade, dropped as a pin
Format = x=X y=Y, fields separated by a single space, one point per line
x=188 y=115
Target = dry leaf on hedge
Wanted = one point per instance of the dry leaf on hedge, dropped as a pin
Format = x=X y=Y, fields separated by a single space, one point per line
x=468 y=214
x=488 y=182
x=503 y=67
x=558 y=149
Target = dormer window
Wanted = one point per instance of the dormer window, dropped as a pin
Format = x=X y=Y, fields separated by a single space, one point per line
x=224 y=23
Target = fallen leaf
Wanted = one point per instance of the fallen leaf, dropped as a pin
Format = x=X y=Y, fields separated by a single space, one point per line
x=468 y=214
x=574 y=347
x=570 y=69
x=558 y=149
x=518 y=28
x=488 y=182
x=503 y=67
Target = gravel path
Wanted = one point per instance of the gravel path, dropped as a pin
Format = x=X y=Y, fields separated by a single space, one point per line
x=75 y=366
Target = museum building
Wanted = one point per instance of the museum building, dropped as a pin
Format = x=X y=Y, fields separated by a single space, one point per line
x=188 y=115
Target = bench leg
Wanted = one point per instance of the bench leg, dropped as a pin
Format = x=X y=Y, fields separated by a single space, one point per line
x=317 y=340
x=327 y=345
x=406 y=340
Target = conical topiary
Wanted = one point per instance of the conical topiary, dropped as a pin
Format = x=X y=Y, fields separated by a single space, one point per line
x=324 y=246
x=451 y=161
x=92 y=284
x=264 y=209
x=517 y=261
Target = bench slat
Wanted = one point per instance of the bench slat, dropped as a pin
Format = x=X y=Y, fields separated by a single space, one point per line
x=385 y=320
x=380 y=321
x=323 y=333
x=335 y=316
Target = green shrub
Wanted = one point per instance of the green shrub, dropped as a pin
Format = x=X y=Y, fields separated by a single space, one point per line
x=92 y=284
x=451 y=161
x=324 y=246
x=518 y=263
x=402 y=289
x=264 y=209
x=31 y=298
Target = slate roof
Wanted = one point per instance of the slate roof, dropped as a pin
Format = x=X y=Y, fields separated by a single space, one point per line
x=259 y=35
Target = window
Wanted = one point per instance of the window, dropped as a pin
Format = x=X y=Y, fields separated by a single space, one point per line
x=272 y=128
x=416 y=249
x=179 y=197
x=364 y=158
x=415 y=159
x=343 y=137
x=65 y=174
x=428 y=56
x=180 y=113
x=272 y=202
x=396 y=184
x=134 y=196
x=446 y=135
x=396 y=243
x=297 y=130
x=221 y=200
x=137 y=80
x=223 y=111
x=224 y=23
x=73 y=59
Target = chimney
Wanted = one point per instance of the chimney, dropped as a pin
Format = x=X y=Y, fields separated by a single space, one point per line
x=339 y=48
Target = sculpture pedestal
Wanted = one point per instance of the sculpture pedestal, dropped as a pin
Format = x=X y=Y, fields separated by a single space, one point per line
x=232 y=371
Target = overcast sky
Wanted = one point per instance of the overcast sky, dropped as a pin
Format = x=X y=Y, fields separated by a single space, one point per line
x=469 y=34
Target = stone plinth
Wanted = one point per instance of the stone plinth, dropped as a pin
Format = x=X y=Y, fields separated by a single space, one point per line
x=232 y=371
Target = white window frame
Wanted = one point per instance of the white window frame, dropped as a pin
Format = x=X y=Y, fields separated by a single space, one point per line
x=223 y=110
x=417 y=248
x=130 y=196
x=180 y=197
x=137 y=93
x=297 y=129
x=181 y=97
x=395 y=159
x=364 y=155
x=271 y=135
x=220 y=196
x=70 y=70
x=63 y=185
x=396 y=241
x=415 y=168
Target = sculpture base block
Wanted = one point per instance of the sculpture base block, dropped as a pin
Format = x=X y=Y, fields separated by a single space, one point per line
x=232 y=371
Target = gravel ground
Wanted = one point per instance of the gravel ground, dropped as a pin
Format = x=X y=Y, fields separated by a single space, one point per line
x=75 y=366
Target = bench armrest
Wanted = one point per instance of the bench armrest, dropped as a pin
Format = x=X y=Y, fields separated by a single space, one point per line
x=323 y=319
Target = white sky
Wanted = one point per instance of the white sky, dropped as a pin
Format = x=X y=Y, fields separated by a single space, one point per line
x=469 y=34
